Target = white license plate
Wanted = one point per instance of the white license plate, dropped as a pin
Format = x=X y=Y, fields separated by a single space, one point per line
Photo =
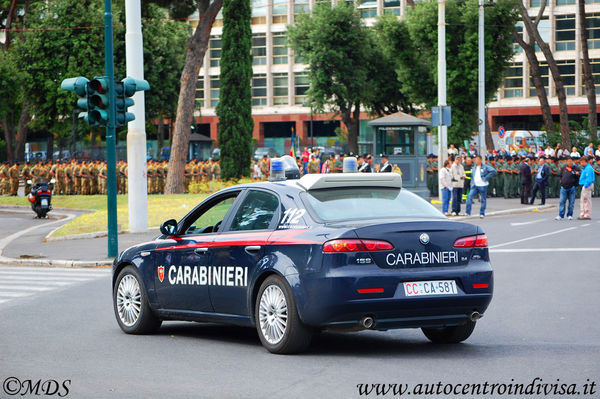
x=420 y=288
x=44 y=201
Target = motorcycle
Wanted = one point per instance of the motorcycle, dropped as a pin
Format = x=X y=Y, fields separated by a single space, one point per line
x=40 y=198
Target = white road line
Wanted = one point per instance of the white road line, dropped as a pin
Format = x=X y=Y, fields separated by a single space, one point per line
x=532 y=237
x=4 y=300
x=39 y=282
x=24 y=288
x=547 y=250
x=14 y=277
x=585 y=225
x=526 y=223
x=57 y=269
x=14 y=294
x=51 y=272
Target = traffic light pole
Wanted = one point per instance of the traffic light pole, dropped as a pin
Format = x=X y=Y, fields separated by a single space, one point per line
x=111 y=140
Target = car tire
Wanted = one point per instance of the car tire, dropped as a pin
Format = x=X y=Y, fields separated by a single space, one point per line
x=450 y=335
x=275 y=310
x=130 y=303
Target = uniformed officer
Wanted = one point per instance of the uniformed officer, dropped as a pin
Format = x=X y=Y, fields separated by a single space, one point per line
x=385 y=164
x=187 y=177
x=363 y=165
x=338 y=164
x=215 y=170
x=313 y=164
x=596 y=167
x=435 y=181
x=102 y=178
x=13 y=174
x=124 y=170
x=467 y=185
x=429 y=170
x=507 y=171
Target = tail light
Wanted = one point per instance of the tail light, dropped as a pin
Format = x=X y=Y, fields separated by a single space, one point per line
x=478 y=241
x=355 y=245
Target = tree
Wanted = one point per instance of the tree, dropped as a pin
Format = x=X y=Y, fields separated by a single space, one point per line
x=588 y=76
x=235 y=101
x=197 y=44
x=533 y=32
x=348 y=68
x=415 y=42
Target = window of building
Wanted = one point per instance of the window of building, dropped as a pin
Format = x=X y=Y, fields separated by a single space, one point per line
x=592 y=22
x=259 y=49
x=301 y=85
x=367 y=8
x=564 y=2
x=280 y=49
x=544 y=30
x=595 y=64
x=215 y=50
x=545 y=74
x=392 y=7
x=301 y=7
x=259 y=89
x=516 y=47
x=259 y=12
x=535 y=3
x=567 y=71
x=280 y=88
x=513 y=81
x=215 y=85
x=200 y=92
x=565 y=32
x=279 y=11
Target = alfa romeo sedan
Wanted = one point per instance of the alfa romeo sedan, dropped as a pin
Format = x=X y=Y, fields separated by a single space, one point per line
x=291 y=258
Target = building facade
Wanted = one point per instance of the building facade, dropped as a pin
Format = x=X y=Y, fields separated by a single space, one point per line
x=516 y=106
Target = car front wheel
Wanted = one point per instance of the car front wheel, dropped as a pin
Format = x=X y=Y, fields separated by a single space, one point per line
x=131 y=304
x=277 y=321
x=450 y=335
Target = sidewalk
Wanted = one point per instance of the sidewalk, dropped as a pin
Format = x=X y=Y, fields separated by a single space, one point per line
x=27 y=245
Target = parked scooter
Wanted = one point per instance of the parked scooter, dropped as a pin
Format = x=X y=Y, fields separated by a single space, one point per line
x=40 y=198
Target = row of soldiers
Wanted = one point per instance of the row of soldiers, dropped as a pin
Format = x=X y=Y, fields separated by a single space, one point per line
x=89 y=177
x=507 y=182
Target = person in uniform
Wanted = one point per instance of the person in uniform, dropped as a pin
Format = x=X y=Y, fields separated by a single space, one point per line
x=4 y=179
x=94 y=178
x=435 y=179
x=77 y=177
x=429 y=171
x=150 y=172
x=467 y=184
x=216 y=170
x=187 y=177
x=85 y=178
x=506 y=172
x=264 y=167
x=102 y=178
x=125 y=173
x=596 y=167
x=386 y=167
x=26 y=173
x=313 y=164
x=13 y=173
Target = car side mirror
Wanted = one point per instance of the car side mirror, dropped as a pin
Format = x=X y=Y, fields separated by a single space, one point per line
x=169 y=227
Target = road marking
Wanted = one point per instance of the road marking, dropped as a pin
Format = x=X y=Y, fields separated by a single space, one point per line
x=548 y=250
x=525 y=223
x=13 y=294
x=24 y=287
x=533 y=237
x=44 y=278
x=585 y=225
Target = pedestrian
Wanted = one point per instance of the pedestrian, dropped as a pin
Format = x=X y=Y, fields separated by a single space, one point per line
x=541 y=181
x=586 y=180
x=589 y=150
x=363 y=164
x=569 y=179
x=597 y=153
x=446 y=184
x=385 y=164
x=525 y=173
x=452 y=151
x=305 y=159
x=575 y=153
x=458 y=180
x=480 y=177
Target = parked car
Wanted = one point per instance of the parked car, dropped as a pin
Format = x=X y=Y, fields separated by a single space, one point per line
x=262 y=151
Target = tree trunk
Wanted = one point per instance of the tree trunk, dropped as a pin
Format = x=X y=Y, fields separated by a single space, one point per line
x=351 y=119
x=197 y=45
x=160 y=135
x=534 y=66
x=489 y=142
x=12 y=12
x=22 y=130
x=533 y=32
x=8 y=137
x=588 y=77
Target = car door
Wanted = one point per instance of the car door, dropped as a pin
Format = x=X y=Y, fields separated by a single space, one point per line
x=236 y=251
x=182 y=261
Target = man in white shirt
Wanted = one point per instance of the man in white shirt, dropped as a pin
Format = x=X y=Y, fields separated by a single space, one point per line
x=549 y=151
x=597 y=153
x=452 y=151
x=480 y=177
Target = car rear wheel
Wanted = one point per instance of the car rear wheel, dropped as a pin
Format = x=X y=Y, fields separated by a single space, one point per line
x=131 y=304
x=450 y=335
x=277 y=321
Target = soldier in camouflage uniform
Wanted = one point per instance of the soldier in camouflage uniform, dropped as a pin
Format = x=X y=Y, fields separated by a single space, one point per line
x=86 y=178
x=596 y=167
x=124 y=169
x=429 y=170
x=13 y=174
x=435 y=179
x=26 y=173
x=150 y=172
x=554 y=180
x=215 y=170
x=102 y=178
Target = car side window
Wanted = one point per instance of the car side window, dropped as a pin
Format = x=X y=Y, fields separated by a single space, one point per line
x=256 y=211
x=210 y=220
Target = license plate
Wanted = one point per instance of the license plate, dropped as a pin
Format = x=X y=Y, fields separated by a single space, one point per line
x=44 y=201
x=421 y=288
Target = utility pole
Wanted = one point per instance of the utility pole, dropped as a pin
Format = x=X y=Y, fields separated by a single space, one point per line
x=136 y=134
x=481 y=81
x=111 y=140
x=442 y=130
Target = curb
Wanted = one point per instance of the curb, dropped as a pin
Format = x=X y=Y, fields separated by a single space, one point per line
x=514 y=211
x=97 y=234
x=55 y=262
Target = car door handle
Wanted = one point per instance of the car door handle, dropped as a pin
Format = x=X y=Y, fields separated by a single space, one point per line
x=252 y=248
x=201 y=251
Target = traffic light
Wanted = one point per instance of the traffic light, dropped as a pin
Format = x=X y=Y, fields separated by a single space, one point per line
x=98 y=102
x=80 y=86
x=125 y=89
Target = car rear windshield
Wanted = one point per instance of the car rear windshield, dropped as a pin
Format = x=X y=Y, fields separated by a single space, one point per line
x=338 y=204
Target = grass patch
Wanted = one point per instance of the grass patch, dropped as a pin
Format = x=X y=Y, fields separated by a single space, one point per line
x=160 y=208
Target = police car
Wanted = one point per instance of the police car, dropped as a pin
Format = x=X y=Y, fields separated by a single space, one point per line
x=293 y=257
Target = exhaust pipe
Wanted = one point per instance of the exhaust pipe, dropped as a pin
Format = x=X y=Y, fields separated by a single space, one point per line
x=475 y=315
x=367 y=322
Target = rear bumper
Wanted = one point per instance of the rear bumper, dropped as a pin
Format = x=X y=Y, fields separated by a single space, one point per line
x=332 y=300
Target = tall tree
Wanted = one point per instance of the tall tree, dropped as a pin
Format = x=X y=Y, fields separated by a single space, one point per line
x=197 y=44
x=235 y=101
x=561 y=95
x=415 y=42
x=588 y=76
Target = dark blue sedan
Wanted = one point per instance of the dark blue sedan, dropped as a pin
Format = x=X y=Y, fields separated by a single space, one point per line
x=335 y=251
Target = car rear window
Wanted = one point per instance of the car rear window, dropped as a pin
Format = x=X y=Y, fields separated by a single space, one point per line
x=338 y=204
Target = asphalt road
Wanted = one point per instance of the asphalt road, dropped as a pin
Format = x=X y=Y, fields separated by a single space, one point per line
x=543 y=322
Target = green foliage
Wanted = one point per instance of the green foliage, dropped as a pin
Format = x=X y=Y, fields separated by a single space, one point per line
x=235 y=101
x=414 y=41
x=13 y=80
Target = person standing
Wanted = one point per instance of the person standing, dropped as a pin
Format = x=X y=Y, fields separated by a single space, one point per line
x=575 y=153
x=386 y=167
x=525 y=173
x=452 y=151
x=597 y=153
x=541 y=181
x=586 y=180
x=446 y=184
x=569 y=179
x=458 y=181
x=480 y=177
x=589 y=150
